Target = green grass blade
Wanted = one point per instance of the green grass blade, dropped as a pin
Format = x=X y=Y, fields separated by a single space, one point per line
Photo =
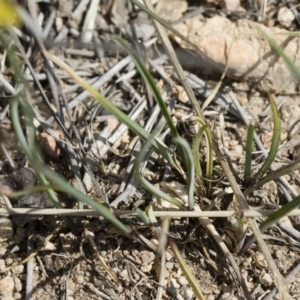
x=294 y=69
x=196 y=155
x=55 y=178
x=275 y=140
x=291 y=167
x=141 y=132
x=209 y=162
x=249 y=144
x=189 y=162
x=271 y=220
x=147 y=185
x=188 y=274
x=152 y=85
x=149 y=80
x=101 y=209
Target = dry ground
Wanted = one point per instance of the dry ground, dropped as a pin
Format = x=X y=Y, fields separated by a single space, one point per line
x=70 y=268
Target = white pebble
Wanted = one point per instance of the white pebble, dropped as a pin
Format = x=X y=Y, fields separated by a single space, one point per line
x=285 y=16
x=169 y=265
x=18 y=284
x=17 y=296
x=168 y=256
x=6 y=287
x=79 y=279
x=18 y=269
x=266 y=279
x=2 y=264
x=183 y=281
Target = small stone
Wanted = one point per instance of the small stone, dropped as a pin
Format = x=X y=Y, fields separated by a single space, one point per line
x=49 y=246
x=49 y=144
x=124 y=273
x=79 y=279
x=18 y=269
x=146 y=268
x=183 y=281
x=266 y=279
x=238 y=150
x=285 y=16
x=6 y=287
x=2 y=264
x=168 y=256
x=174 y=284
x=230 y=4
x=9 y=261
x=189 y=293
x=70 y=292
x=17 y=296
x=261 y=261
x=226 y=295
x=18 y=284
x=169 y=265
x=147 y=257
x=180 y=93
x=71 y=285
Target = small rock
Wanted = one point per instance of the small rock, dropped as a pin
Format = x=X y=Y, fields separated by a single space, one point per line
x=70 y=292
x=18 y=284
x=279 y=254
x=183 y=281
x=17 y=296
x=189 y=293
x=79 y=279
x=174 y=284
x=230 y=4
x=168 y=256
x=238 y=150
x=147 y=257
x=146 y=268
x=124 y=273
x=226 y=295
x=9 y=261
x=261 y=261
x=71 y=285
x=285 y=16
x=6 y=287
x=2 y=264
x=18 y=269
x=180 y=93
x=49 y=144
x=266 y=279
x=49 y=246
x=169 y=265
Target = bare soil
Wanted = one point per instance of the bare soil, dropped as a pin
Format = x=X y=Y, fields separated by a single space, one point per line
x=69 y=266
